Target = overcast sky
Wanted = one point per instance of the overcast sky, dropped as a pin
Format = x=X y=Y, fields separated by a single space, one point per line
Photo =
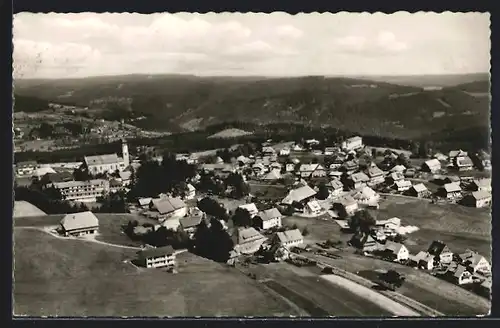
x=278 y=44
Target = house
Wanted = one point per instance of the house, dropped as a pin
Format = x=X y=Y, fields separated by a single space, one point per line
x=298 y=148
x=273 y=175
x=402 y=185
x=395 y=176
x=289 y=238
x=352 y=143
x=440 y=251
x=108 y=163
x=157 y=257
x=191 y=192
x=268 y=151
x=251 y=208
x=357 y=180
x=376 y=175
x=366 y=196
x=299 y=195
x=285 y=151
x=463 y=163
x=335 y=187
x=168 y=207
x=336 y=163
x=390 y=224
x=268 y=219
x=350 y=166
x=290 y=167
x=311 y=171
x=478 y=199
x=481 y=185
x=398 y=168
x=345 y=206
x=312 y=208
x=26 y=168
x=312 y=142
x=451 y=179
x=451 y=191
x=248 y=240
x=365 y=242
x=275 y=166
x=432 y=166
x=79 y=224
x=190 y=224
x=330 y=150
x=144 y=202
x=50 y=178
x=475 y=262
x=242 y=160
x=41 y=171
x=423 y=260
x=410 y=172
x=125 y=177
x=453 y=154
x=83 y=191
x=219 y=160
x=459 y=274
x=396 y=251
x=440 y=157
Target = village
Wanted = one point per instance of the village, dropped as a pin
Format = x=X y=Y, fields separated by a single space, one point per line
x=301 y=204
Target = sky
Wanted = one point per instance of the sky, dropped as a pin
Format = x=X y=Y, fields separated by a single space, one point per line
x=231 y=44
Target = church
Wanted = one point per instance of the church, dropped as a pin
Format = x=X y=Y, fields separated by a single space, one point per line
x=107 y=163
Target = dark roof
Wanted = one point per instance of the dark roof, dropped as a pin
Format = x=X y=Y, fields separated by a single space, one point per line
x=190 y=222
x=57 y=177
x=155 y=252
x=437 y=247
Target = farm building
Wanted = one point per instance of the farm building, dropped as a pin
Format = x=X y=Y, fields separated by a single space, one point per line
x=144 y=202
x=376 y=175
x=163 y=208
x=251 y=208
x=398 y=168
x=366 y=196
x=441 y=251
x=268 y=219
x=312 y=208
x=289 y=238
x=79 y=224
x=481 y=184
x=395 y=176
x=248 y=240
x=346 y=206
x=299 y=195
x=350 y=166
x=357 y=180
x=451 y=191
x=458 y=274
x=478 y=199
x=190 y=224
x=475 y=262
x=432 y=166
x=402 y=185
x=157 y=257
x=422 y=260
x=311 y=171
x=463 y=163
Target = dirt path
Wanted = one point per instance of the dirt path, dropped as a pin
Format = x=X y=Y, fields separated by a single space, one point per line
x=377 y=298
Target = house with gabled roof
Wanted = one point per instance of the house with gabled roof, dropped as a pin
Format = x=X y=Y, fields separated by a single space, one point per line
x=79 y=224
x=335 y=187
x=345 y=206
x=451 y=191
x=422 y=260
x=396 y=251
x=402 y=185
x=248 y=240
x=251 y=208
x=300 y=195
x=289 y=238
x=481 y=184
x=458 y=274
x=268 y=219
x=167 y=207
x=395 y=176
x=463 y=163
x=273 y=175
x=350 y=166
x=190 y=224
x=432 y=166
x=357 y=180
x=398 y=168
x=312 y=208
x=475 y=262
x=157 y=257
x=352 y=143
x=366 y=196
x=478 y=199
x=376 y=175
x=440 y=252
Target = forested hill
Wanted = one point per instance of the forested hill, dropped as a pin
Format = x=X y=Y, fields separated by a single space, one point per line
x=190 y=102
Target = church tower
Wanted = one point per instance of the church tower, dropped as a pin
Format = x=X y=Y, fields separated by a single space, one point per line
x=125 y=154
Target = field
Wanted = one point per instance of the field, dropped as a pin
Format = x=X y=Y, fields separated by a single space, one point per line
x=110 y=226
x=419 y=285
x=72 y=278
x=262 y=190
x=25 y=209
x=459 y=226
x=230 y=133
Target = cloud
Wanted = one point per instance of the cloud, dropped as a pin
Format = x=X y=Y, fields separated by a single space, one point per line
x=289 y=31
x=384 y=42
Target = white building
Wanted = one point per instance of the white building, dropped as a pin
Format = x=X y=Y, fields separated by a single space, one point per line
x=289 y=238
x=83 y=191
x=352 y=143
x=157 y=257
x=79 y=224
x=398 y=251
x=312 y=208
x=402 y=185
x=268 y=219
x=251 y=208
x=169 y=207
x=191 y=192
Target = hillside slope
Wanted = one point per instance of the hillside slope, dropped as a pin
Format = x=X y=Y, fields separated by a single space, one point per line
x=190 y=102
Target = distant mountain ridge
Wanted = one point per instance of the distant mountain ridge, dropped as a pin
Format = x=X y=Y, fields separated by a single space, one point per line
x=189 y=102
